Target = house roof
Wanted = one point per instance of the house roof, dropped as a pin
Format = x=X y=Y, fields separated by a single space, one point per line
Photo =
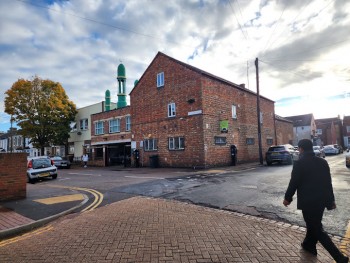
x=301 y=120
x=207 y=74
x=280 y=118
x=328 y=120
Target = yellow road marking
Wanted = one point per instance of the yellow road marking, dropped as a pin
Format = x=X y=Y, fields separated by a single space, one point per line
x=346 y=240
x=25 y=236
x=98 y=197
x=60 y=199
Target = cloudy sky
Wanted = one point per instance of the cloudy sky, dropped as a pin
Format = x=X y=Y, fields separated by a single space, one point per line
x=302 y=46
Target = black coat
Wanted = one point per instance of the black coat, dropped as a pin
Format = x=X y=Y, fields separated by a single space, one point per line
x=311 y=178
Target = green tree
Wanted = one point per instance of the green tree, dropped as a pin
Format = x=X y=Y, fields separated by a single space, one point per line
x=42 y=110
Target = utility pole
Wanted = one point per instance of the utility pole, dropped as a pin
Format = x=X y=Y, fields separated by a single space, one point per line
x=258 y=110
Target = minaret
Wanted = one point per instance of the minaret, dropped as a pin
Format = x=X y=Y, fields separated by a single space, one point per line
x=121 y=87
x=108 y=100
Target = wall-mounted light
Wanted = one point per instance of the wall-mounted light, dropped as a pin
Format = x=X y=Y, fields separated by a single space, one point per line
x=190 y=101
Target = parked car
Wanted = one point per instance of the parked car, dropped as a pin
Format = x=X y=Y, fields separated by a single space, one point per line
x=347 y=160
x=319 y=152
x=59 y=162
x=330 y=150
x=40 y=167
x=281 y=154
x=339 y=148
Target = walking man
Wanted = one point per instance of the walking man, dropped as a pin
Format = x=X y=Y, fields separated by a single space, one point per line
x=312 y=180
x=85 y=159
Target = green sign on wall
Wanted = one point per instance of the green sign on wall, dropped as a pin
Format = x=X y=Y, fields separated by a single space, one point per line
x=224 y=126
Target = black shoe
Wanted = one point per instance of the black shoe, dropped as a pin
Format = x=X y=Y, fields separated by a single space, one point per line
x=311 y=250
x=343 y=260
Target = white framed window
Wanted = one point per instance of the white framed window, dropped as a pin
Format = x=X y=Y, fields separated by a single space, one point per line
x=171 y=110
x=128 y=123
x=150 y=145
x=269 y=141
x=319 y=131
x=234 y=112
x=99 y=128
x=84 y=124
x=73 y=126
x=176 y=143
x=114 y=125
x=160 y=79
x=347 y=128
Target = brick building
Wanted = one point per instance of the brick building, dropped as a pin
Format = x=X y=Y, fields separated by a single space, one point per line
x=190 y=118
x=330 y=130
x=346 y=131
x=304 y=127
x=284 y=130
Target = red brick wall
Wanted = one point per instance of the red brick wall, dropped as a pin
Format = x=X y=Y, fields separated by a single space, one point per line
x=13 y=176
x=214 y=98
x=284 y=132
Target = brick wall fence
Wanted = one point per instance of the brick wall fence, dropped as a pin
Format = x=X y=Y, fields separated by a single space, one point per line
x=13 y=179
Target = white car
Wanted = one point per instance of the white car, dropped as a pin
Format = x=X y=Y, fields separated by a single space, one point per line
x=40 y=167
x=330 y=149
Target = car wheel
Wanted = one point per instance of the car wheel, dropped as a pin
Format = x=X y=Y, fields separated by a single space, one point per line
x=29 y=180
x=54 y=176
x=268 y=163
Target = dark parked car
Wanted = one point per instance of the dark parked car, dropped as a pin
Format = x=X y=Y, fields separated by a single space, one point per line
x=40 y=167
x=59 y=162
x=281 y=154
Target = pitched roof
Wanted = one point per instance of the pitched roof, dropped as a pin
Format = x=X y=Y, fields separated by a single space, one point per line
x=207 y=74
x=280 y=118
x=301 y=120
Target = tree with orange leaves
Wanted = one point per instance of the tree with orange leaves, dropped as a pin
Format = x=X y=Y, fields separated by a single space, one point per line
x=42 y=109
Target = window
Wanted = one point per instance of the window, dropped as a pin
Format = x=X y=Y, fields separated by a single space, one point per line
x=150 y=145
x=234 y=112
x=84 y=124
x=269 y=141
x=160 y=79
x=250 y=141
x=128 y=123
x=98 y=153
x=171 y=110
x=261 y=117
x=220 y=140
x=114 y=125
x=73 y=126
x=176 y=143
x=347 y=128
x=319 y=131
x=99 y=128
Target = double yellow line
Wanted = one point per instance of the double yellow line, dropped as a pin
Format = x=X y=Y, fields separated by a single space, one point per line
x=98 y=197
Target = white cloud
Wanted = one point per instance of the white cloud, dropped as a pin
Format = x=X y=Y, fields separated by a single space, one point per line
x=79 y=43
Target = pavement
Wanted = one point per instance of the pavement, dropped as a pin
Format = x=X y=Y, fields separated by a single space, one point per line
x=143 y=229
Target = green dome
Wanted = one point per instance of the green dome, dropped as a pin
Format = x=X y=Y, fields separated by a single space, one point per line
x=121 y=71
x=108 y=93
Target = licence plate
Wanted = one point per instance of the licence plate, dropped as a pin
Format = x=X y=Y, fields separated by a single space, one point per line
x=44 y=175
x=63 y=164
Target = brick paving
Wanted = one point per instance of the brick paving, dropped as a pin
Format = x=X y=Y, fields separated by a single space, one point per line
x=143 y=229
x=10 y=219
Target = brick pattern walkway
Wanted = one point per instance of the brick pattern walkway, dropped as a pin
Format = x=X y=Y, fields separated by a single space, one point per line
x=10 y=219
x=155 y=230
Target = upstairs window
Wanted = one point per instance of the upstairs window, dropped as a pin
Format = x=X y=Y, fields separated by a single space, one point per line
x=99 y=128
x=347 y=129
x=250 y=141
x=128 y=123
x=319 y=131
x=171 y=110
x=84 y=124
x=160 y=79
x=234 y=112
x=114 y=126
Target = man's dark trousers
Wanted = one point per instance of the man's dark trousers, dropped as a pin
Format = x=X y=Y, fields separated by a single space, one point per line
x=315 y=232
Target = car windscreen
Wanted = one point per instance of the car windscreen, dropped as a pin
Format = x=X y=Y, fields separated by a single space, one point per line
x=41 y=163
x=276 y=149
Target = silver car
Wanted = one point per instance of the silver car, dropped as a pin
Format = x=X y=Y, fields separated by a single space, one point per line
x=281 y=154
x=40 y=167
x=319 y=152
